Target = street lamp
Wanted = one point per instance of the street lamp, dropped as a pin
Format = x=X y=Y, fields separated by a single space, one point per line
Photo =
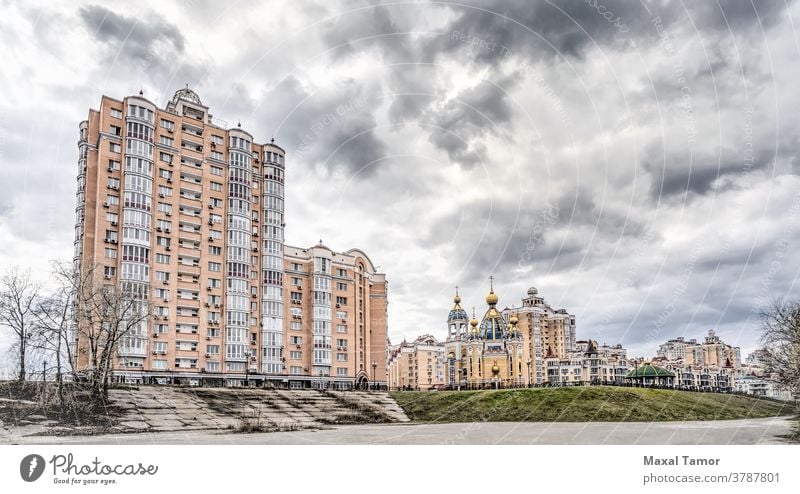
x=374 y=367
x=529 y=372
x=247 y=368
x=460 y=367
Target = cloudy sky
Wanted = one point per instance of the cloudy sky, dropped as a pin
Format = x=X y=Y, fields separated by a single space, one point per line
x=636 y=162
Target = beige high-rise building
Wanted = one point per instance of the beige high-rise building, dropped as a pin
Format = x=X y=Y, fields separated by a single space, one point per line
x=174 y=204
x=546 y=333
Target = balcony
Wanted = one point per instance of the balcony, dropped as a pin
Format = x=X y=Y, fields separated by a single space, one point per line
x=124 y=351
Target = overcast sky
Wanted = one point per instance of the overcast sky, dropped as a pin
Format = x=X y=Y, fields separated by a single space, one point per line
x=636 y=162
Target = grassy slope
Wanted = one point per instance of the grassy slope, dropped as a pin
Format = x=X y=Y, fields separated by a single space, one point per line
x=581 y=404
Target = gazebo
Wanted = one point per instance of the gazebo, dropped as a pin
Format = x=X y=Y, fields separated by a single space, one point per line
x=650 y=375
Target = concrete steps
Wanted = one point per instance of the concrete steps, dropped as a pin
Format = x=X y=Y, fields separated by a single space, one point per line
x=165 y=408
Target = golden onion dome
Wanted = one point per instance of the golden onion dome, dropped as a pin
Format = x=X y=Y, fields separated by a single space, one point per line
x=491 y=299
x=474 y=321
x=457 y=299
x=513 y=319
x=495 y=369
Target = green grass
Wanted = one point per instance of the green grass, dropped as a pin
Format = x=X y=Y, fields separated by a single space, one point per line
x=582 y=404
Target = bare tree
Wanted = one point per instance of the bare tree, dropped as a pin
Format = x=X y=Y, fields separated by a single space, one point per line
x=780 y=350
x=105 y=315
x=18 y=300
x=54 y=321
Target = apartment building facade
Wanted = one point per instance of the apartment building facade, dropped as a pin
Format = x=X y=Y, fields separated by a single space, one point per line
x=418 y=365
x=175 y=205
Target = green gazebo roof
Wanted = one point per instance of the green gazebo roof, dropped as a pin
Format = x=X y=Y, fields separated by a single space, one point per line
x=648 y=370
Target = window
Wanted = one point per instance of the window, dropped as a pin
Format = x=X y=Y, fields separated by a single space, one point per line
x=341 y=371
x=341 y=357
x=216 y=139
x=140 y=112
x=295 y=370
x=114 y=147
x=216 y=234
x=162 y=276
x=341 y=343
x=113 y=165
x=296 y=340
x=166 y=124
x=216 y=155
x=159 y=364
x=166 y=141
x=212 y=349
x=111 y=253
x=214 y=266
x=296 y=325
x=341 y=328
x=217 y=203
x=112 y=200
x=164 y=191
x=162 y=258
x=109 y=271
x=295 y=355
x=135 y=253
x=164 y=207
x=341 y=272
x=341 y=300
x=341 y=286
x=165 y=157
x=214 y=250
x=112 y=217
x=138 y=165
x=240 y=143
x=322 y=265
x=115 y=130
x=216 y=187
x=215 y=170
x=297 y=282
x=214 y=283
x=116 y=113
x=296 y=297
x=164 y=173
x=140 y=131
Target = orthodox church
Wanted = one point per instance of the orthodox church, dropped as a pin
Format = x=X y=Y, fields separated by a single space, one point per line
x=488 y=354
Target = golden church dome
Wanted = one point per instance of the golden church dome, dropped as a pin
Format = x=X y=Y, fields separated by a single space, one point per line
x=491 y=299
x=513 y=319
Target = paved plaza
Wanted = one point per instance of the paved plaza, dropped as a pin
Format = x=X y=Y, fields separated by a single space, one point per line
x=750 y=431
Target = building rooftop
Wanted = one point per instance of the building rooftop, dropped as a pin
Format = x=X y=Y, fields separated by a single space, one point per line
x=648 y=370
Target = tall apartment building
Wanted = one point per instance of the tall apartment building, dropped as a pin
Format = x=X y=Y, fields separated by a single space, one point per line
x=546 y=333
x=175 y=205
